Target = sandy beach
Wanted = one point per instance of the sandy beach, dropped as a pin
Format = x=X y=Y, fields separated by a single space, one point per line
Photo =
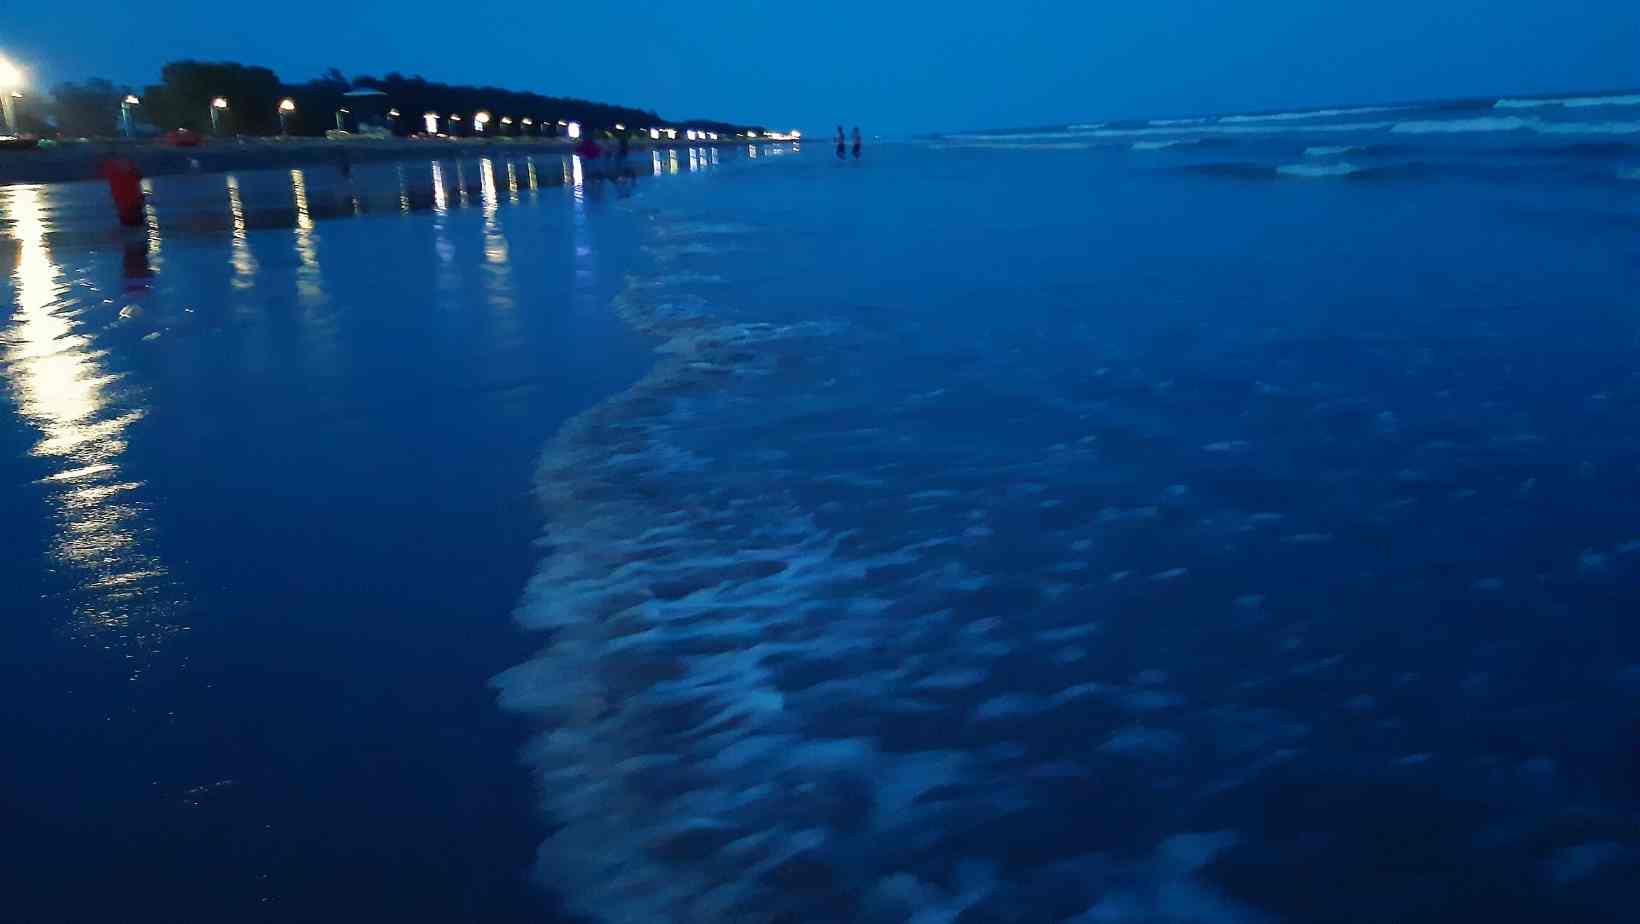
x=70 y=161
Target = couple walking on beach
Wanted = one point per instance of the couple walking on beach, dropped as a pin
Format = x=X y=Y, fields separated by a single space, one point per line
x=842 y=143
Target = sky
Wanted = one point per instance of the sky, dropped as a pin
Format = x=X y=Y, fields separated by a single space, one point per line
x=895 y=67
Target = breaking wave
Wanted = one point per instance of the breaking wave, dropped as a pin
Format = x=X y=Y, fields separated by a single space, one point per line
x=1570 y=102
x=1318 y=170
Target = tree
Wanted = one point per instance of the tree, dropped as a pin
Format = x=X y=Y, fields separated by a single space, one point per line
x=184 y=98
x=87 y=109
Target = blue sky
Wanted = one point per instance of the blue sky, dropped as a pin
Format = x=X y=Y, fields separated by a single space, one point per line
x=895 y=67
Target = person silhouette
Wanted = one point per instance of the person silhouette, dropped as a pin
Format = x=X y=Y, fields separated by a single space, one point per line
x=856 y=142
x=842 y=144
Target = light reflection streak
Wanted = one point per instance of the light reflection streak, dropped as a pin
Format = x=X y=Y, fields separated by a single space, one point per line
x=240 y=258
x=495 y=243
x=404 y=191
x=446 y=275
x=530 y=161
x=308 y=284
x=694 y=160
x=512 y=181
x=65 y=392
x=152 y=223
x=578 y=178
x=656 y=155
x=674 y=161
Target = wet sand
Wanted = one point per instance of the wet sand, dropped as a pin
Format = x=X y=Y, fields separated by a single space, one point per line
x=71 y=161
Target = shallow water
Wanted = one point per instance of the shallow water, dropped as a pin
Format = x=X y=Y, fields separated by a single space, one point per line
x=265 y=470
x=1025 y=532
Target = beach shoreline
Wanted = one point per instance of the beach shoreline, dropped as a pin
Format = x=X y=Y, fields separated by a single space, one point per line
x=74 y=161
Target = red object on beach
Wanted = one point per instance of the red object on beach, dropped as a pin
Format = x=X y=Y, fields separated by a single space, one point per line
x=125 y=185
x=589 y=149
x=183 y=138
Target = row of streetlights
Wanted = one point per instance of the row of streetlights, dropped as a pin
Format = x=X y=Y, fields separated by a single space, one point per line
x=11 y=80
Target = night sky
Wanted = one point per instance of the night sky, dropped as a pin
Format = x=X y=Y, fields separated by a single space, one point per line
x=895 y=66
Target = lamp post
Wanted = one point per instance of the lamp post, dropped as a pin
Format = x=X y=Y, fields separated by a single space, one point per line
x=573 y=130
x=218 y=106
x=481 y=119
x=506 y=123
x=341 y=119
x=393 y=120
x=126 y=105
x=286 y=107
x=11 y=80
x=429 y=121
x=526 y=126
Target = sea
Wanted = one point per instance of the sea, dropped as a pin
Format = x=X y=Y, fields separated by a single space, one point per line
x=1205 y=519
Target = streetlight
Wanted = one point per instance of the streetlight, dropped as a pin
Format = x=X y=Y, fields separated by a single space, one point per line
x=341 y=118
x=218 y=106
x=574 y=130
x=619 y=127
x=654 y=134
x=11 y=80
x=126 y=105
x=480 y=119
x=526 y=123
x=429 y=121
x=506 y=121
x=286 y=107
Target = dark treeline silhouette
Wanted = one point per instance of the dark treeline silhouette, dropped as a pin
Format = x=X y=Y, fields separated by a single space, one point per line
x=182 y=99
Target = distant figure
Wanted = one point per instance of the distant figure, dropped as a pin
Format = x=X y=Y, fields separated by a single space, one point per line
x=856 y=142
x=842 y=144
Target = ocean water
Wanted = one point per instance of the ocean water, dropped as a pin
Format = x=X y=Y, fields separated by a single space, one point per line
x=1053 y=526
x=264 y=479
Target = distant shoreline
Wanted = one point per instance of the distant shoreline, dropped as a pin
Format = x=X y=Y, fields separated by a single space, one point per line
x=74 y=161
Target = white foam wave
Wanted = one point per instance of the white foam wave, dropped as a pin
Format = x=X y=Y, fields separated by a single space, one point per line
x=1310 y=114
x=1458 y=126
x=1198 y=121
x=1157 y=145
x=1569 y=102
x=1317 y=170
x=1514 y=124
x=1329 y=150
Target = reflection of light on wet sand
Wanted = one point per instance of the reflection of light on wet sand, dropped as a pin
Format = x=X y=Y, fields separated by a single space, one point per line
x=441 y=199
x=307 y=277
x=152 y=223
x=461 y=184
x=530 y=161
x=578 y=177
x=63 y=390
x=404 y=191
x=512 y=181
x=495 y=243
x=442 y=245
x=656 y=156
x=694 y=160
x=244 y=265
x=674 y=161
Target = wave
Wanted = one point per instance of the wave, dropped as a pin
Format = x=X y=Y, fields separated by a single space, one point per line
x=1318 y=170
x=1085 y=127
x=1569 y=102
x=1330 y=150
x=1165 y=122
x=755 y=711
x=1459 y=126
x=1310 y=114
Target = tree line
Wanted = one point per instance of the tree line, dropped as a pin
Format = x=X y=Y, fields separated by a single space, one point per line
x=182 y=99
